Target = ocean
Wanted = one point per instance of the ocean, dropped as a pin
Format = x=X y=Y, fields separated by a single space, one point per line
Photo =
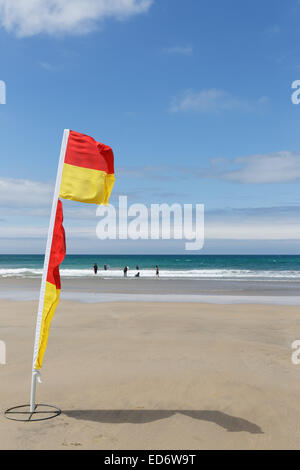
x=229 y=267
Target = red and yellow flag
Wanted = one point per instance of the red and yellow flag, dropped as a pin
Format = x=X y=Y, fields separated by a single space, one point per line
x=53 y=285
x=87 y=176
x=88 y=172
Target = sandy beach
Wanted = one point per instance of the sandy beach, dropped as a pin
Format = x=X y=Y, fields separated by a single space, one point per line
x=145 y=375
x=149 y=227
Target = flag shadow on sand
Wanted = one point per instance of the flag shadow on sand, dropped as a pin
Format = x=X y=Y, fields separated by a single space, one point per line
x=228 y=422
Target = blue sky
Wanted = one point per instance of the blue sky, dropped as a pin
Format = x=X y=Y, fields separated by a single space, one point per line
x=194 y=97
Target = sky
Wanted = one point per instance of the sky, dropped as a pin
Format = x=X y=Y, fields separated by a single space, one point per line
x=194 y=97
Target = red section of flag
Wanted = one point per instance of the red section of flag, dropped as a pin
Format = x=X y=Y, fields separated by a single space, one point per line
x=86 y=152
x=58 y=248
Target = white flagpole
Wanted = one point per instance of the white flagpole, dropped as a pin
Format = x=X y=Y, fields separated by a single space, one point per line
x=35 y=372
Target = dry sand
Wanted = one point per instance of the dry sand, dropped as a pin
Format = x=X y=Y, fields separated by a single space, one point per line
x=155 y=376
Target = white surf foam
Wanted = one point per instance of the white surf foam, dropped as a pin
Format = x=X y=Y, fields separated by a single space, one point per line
x=167 y=274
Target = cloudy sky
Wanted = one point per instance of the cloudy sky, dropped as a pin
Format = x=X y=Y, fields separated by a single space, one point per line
x=193 y=96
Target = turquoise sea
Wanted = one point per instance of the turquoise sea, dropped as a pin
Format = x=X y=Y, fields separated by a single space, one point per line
x=285 y=267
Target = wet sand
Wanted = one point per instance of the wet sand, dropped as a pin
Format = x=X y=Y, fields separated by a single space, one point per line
x=97 y=289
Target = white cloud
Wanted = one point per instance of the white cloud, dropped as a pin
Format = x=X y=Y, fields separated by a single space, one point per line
x=252 y=231
x=250 y=228
x=212 y=100
x=31 y=17
x=179 y=50
x=273 y=30
x=47 y=66
x=23 y=197
x=277 y=167
x=20 y=197
x=256 y=223
x=281 y=167
x=23 y=232
x=18 y=232
x=20 y=193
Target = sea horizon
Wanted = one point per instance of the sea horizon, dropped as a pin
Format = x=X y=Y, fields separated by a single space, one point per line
x=177 y=266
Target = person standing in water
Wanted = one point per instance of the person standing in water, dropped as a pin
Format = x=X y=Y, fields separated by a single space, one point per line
x=157 y=272
x=95 y=268
x=125 y=270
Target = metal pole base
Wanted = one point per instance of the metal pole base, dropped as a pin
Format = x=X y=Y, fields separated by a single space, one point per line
x=40 y=413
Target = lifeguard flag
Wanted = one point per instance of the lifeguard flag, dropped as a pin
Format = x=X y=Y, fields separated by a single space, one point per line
x=87 y=176
x=88 y=172
x=53 y=285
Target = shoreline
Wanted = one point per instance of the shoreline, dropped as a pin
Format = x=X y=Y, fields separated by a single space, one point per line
x=97 y=290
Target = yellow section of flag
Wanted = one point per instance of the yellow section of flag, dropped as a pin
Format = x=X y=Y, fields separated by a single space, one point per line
x=86 y=185
x=88 y=171
x=51 y=301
